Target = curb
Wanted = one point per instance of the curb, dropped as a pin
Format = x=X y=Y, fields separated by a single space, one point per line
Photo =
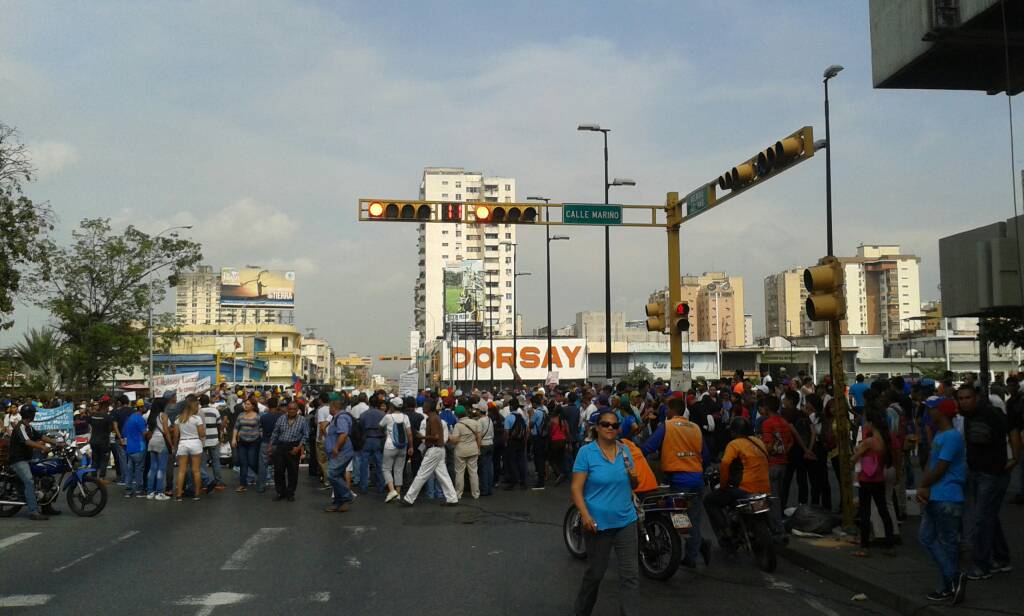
x=909 y=606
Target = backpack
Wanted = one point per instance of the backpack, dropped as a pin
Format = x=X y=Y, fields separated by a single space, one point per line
x=518 y=432
x=545 y=426
x=356 y=433
x=398 y=435
x=499 y=432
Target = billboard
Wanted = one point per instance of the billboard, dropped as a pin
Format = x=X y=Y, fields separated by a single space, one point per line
x=250 y=287
x=464 y=291
x=469 y=359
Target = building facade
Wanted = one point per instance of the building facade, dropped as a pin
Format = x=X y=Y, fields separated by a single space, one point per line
x=784 y=299
x=197 y=302
x=716 y=307
x=883 y=291
x=449 y=244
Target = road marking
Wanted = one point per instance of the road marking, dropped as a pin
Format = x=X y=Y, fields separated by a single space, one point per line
x=9 y=541
x=242 y=558
x=774 y=584
x=207 y=603
x=821 y=608
x=352 y=561
x=127 y=535
x=320 y=597
x=359 y=530
x=25 y=600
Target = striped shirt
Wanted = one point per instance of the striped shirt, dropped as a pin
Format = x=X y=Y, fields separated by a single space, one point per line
x=248 y=429
x=211 y=421
x=295 y=431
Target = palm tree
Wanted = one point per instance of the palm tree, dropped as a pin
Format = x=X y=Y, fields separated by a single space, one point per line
x=41 y=355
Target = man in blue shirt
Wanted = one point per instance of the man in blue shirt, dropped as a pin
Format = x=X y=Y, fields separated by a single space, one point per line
x=339 y=453
x=539 y=437
x=685 y=482
x=941 y=493
x=857 y=394
x=135 y=453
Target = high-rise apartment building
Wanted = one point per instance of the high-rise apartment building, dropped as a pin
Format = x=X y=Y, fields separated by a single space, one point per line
x=197 y=302
x=444 y=245
x=883 y=296
x=716 y=307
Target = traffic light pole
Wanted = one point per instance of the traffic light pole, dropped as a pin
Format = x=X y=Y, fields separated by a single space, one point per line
x=675 y=341
x=841 y=411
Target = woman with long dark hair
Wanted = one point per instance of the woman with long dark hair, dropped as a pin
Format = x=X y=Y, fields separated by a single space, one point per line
x=874 y=454
x=817 y=469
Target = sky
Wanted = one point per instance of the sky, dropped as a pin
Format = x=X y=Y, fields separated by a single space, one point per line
x=261 y=123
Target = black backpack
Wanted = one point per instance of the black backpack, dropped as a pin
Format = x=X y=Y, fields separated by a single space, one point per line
x=545 y=426
x=499 y=431
x=518 y=432
x=356 y=434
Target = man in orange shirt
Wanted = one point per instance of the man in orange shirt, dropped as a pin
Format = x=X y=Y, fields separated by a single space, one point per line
x=744 y=472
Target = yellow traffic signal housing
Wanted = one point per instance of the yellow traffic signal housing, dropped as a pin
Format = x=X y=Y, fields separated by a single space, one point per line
x=486 y=213
x=827 y=299
x=681 y=320
x=655 y=317
x=776 y=157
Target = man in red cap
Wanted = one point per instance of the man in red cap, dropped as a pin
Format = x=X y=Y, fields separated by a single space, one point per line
x=941 y=495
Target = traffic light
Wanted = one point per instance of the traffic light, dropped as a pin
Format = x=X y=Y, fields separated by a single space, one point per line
x=397 y=210
x=824 y=282
x=681 y=321
x=773 y=159
x=655 y=317
x=504 y=214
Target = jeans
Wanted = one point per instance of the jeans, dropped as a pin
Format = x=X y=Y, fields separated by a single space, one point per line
x=599 y=547
x=776 y=475
x=540 y=458
x=156 y=479
x=336 y=477
x=24 y=473
x=797 y=466
x=940 y=525
x=121 y=459
x=486 y=470
x=373 y=449
x=867 y=492
x=133 y=472
x=248 y=455
x=515 y=464
x=212 y=454
x=355 y=468
x=498 y=458
x=987 y=492
x=433 y=466
x=394 y=467
x=694 y=510
x=265 y=463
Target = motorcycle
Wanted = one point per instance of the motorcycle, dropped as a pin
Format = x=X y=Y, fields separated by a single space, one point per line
x=63 y=472
x=662 y=526
x=749 y=523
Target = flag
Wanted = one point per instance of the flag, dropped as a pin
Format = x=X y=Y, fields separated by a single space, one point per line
x=297 y=384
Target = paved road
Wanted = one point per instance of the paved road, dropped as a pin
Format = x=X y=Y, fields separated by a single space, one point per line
x=244 y=554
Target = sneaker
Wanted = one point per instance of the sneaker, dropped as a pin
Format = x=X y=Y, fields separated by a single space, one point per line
x=998 y=567
x=403 y=502
x=449 y=504
x=959 y=589
x=127 y=494
x=151 y=496
x=940 y=595
x=392 y=495
x=161 y=497
x=977 y=574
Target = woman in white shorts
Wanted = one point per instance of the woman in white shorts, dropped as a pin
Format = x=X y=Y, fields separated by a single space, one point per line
x=397 y=447
x=189 y=433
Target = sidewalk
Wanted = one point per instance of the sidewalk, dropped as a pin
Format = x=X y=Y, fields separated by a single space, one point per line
x=902 y=581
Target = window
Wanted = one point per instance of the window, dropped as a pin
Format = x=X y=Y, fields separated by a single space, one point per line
x=444 y=195
x=508 y=283
x=491 y=236
x=444 y=256
x=458 y=197
x=473 y=249
x=491 y=199
x=444 y=231
x=508 y=296
x=508 y=187
x=508 y=199
x=458 y=184
x=508 y=236
x=444 y=243
x=508 y=247
x=472 y=189
x=472 y=237
x=284 y=342
x=508 y=272
x=508 y=260
x=458 y=233
x=489 y=260
x=444 y=182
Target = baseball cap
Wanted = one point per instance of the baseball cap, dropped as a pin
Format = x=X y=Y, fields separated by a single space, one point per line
x=420 y=400
x=104 y=398
x=334 y=397
x=170 y=393
x=397 y=402
x=481 y=406
x=762 y=388
x=140 y=402
x=933 y=401
x=948 y=407
x=444 y=393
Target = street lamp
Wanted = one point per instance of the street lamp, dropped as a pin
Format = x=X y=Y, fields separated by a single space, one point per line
x=716 y=287
x=607 y=252
x=830 y=72
x=549 y=238
x=150 y=286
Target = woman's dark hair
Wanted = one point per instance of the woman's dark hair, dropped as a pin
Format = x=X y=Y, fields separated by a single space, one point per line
x=814 y=400
x=880 y=425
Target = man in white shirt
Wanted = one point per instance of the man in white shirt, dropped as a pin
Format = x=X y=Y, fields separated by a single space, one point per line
x=323 y=419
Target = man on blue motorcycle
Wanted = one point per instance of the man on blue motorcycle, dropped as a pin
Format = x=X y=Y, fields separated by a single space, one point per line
x=24 y=439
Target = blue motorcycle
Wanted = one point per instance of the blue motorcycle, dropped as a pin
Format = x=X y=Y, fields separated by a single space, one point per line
x=63 y=472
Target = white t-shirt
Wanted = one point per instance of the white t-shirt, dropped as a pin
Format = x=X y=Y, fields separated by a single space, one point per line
x=323 y=415
x=358 y=409
x=156 y=439
x=189 y=429
x=388 y=422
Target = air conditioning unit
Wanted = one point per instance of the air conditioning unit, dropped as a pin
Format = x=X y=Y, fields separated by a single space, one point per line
x=945 y=15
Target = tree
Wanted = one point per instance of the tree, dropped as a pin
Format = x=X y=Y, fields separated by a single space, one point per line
x=42 y=359
x=99 y=292
x=1004 y=331
x=638 y=374
x=23 y=224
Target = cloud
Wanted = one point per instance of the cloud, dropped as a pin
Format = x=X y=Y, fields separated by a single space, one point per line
x=50 y=157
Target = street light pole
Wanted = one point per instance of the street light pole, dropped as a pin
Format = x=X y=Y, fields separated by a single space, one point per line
x=830 y=72
x=150 y=290
x=607 y=252
x=549 y=239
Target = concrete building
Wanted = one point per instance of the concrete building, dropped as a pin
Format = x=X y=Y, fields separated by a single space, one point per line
x=197 y=302
x=784 y=299
x=716 y=307
x=318 y=359
x=748 y=330
x=447 y=245
x=353 y=371
x=278 y=346
x=883 y=291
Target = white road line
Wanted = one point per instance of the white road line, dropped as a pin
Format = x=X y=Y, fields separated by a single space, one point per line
x=127 y=535
x=774 y=584
x=9 y=541
x=814 y=603
x=207 y=603
x=25 y=600
x=352 y=561
x=359 y=530
x=243 y=556
x=320 y=597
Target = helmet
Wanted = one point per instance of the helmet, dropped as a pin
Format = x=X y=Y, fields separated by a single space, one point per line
x=740 y=426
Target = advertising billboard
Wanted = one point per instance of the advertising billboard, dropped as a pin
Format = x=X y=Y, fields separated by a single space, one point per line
x=249 y=287
x=469 y=359
x=464 y=291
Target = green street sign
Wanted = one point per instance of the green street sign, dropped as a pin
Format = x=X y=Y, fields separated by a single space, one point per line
x=698 y=200
x=591 y=214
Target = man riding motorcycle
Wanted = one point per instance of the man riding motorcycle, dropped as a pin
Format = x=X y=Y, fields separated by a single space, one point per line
x=744 y=472
x=683 y=454
x=24 y=439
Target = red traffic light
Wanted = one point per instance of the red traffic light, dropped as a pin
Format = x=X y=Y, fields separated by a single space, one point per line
x=451 y=212
x=682 y=310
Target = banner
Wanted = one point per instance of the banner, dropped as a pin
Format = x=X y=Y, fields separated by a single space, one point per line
x=183 y=384
x=408 y=383
x=464 y=291
x=60 y=419
x=468 y=360
x=250 y=287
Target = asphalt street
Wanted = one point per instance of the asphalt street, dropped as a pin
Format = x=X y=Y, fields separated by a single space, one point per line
x=244 y=554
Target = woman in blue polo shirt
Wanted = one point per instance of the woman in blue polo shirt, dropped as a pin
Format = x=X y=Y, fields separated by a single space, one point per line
x=602 y=489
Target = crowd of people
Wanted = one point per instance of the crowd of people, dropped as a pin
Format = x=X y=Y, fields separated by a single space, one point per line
x=446 y=444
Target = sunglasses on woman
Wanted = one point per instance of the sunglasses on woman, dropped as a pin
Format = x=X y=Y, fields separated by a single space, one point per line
x=608 y=424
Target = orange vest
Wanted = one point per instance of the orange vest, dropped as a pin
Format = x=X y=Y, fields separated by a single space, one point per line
x=648 y=481
x=682 y=448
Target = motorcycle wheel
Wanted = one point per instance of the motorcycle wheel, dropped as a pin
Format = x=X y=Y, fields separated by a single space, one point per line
x=763 y=546
x=92 y=502
x=573 y=533
x=661 y=554
x=10 y=492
